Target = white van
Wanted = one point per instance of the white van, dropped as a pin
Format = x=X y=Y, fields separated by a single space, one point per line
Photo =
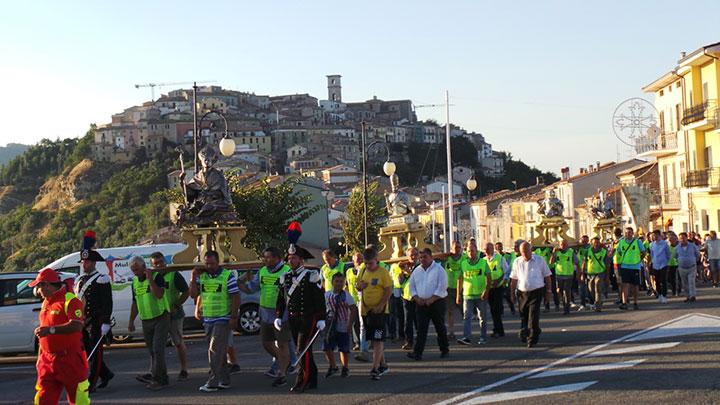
x=117 y=267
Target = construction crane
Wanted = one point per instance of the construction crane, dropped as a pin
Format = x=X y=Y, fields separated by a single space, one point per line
x=428 y=105
x=152 y=85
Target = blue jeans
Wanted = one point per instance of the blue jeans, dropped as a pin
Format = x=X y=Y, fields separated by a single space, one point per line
x=293 y=356
x=470 y=307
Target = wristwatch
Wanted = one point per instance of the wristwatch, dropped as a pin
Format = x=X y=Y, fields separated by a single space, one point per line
x=52 y=330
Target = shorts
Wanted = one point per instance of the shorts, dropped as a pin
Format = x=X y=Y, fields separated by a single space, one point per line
x=714 y=265
x=176 y=331
x=451 y=299
x=630 y=276
x=375 y=325
x=268 y=333
x=339 y=340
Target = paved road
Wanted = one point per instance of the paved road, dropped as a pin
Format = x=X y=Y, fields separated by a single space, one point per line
x=658 y=353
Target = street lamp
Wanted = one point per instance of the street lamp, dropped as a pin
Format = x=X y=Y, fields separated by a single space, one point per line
x=471 y=185
x=388 y=168
x=226 y=146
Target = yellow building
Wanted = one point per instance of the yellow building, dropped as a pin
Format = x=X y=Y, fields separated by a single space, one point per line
x=686 y=99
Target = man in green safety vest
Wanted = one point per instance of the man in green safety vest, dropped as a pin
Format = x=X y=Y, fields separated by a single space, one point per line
x=332 y=265
x=629 y=253
x=148 y=301
x=499 y=276
x=566 y=263
x=275 y=342
x=452 y=268
x=219 y=298
x=546 y=253
x=672 y=275
x=472 y=286
x=582 y=251
x=596 y=272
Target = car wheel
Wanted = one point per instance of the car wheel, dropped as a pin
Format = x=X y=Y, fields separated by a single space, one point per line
x=121 y=338
x=249 y=320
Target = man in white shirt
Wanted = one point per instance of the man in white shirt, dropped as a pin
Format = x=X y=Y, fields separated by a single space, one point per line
x=428 y=288
x=531 y=277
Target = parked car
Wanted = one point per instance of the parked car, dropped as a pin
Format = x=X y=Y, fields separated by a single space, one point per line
x=117 y=267
x=19 y=309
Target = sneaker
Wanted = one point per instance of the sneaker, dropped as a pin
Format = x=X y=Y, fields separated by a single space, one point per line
x=223 y=386
x=444 y=355
x=384 y=368
x=207 y=388
x=145 y=378
x=623 y=306
x=465 y=341
x=635 y=306
x=155 y=386
x=659 y=300
x=345 y=373
x=573 y=305
x=374 y=375
x=597 y=309
x=692 y=299
x=414 y=356
x=592 y=306
x=292 y=369
x=331 y=371
x=182 y=376
x=272 y=373
x=279 y=382
x=497 y=335
x=451 y=336
x=482 y=341
x=407 y=346
x=665 y=301
x=234 y=369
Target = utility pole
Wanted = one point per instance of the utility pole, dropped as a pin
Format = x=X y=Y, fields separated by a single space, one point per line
x=449 y=169
x=195 y=127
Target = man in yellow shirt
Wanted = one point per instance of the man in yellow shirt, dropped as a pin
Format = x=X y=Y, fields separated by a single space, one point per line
x=375 y=285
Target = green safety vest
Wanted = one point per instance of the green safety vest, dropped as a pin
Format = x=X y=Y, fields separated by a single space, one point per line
x=395 y=273
x=148 y=305
x=510 y=258
x=328 y=273
x=583 y=252
x=496 y=270
x=216 y=301
x=171 y=292
x=474 y=278
x=351 y=279
x=545 y=253
x=269 y=285
x=628 y=252
x=453 y=269
x=673 y=260
x=564 y=265
x=406 y=289
x=596 y=261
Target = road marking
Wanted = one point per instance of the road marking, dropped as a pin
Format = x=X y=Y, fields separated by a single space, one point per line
x=692 y=325
x=586 y=369
x=568 y=358
x=633 y=349
x=507 y=396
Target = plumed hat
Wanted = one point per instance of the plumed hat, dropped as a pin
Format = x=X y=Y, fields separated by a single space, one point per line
x=87 y=252
x=294 y=233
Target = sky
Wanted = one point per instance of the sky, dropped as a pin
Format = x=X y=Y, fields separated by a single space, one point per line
x=539 y=79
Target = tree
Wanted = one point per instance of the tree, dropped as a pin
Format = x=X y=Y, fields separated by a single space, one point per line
x=353 y=223
x=267 y=211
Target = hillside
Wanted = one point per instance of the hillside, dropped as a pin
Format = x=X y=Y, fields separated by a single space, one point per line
x=71 y=194
x=11 y=150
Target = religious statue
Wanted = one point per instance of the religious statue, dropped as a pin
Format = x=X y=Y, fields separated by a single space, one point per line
x=207 y=197
x=602 y=207
x=551 y=206
x=397 y=202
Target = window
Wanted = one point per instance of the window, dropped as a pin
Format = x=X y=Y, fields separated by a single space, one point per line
x=705 y=218
x=661 y=93
x=705 y=94
x=662 y=121
x=677 y=84
x=677 y=116
x=669 y=88
x=708 y=157
x=17 y=292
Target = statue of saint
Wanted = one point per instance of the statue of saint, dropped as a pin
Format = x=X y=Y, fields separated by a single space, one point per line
x=602 y=207
x=397 y=202
x=207 y=194
x=551 y=206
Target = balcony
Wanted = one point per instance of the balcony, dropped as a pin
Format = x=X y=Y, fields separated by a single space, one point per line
x=706 y=178
x=670 y=198
x=699 y=115
x=663 y=145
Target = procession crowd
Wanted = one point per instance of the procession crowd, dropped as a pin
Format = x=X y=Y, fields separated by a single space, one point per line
x=357 y=306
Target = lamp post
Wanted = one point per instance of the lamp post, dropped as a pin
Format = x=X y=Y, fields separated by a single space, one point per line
x=388 y=168
x=471 y=185
x=226 y=145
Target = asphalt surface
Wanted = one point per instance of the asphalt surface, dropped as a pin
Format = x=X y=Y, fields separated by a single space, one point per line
x=657 y=353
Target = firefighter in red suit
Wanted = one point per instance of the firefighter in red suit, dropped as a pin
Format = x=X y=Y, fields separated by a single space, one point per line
x=61 y=359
